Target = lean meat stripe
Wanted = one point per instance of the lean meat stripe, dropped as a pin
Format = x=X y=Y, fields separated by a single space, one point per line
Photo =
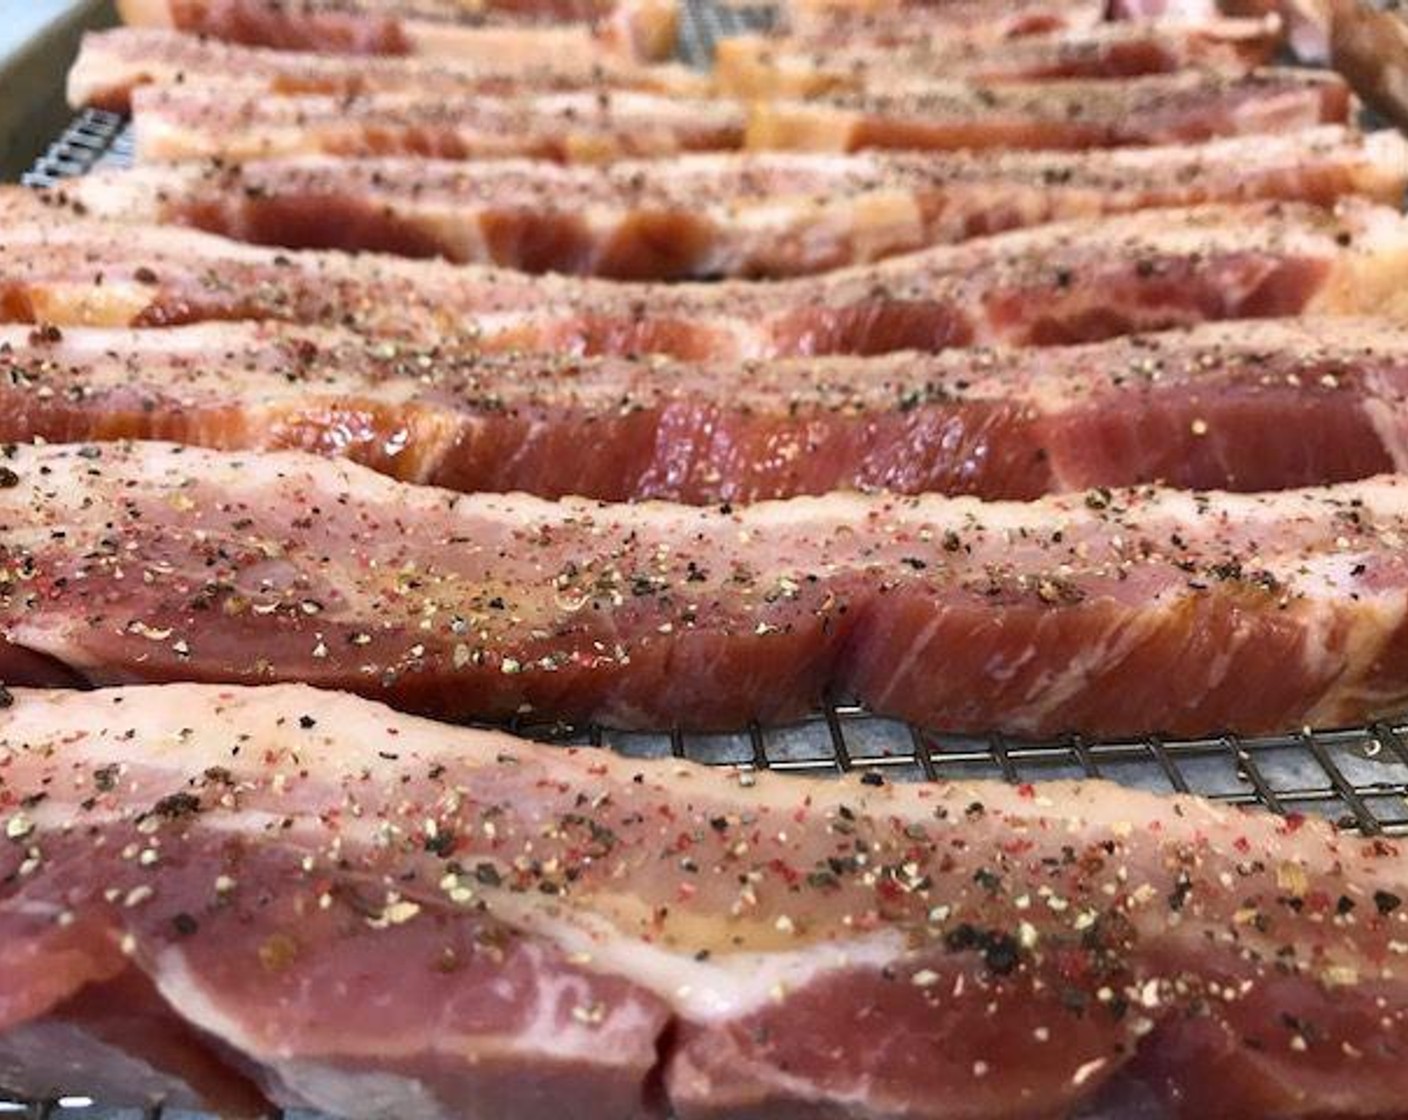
x=1244 y=406
x=733 y=215
x=1056 y=284
x=179 y=122
x=1111 y=613
x=761 y=66
x=559 y=932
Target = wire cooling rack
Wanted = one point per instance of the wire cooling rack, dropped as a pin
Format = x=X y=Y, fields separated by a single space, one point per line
x=1357 y=777
x=93 y=139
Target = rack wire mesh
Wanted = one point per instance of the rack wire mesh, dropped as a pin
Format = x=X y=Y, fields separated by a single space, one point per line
x=1357 y=776
x=94 y=138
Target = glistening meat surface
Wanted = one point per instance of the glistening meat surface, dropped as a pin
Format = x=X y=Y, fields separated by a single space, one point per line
x=1056 y=284
x=565 y=932
x=111 y=64
x=1245 y=406
x=1115 y=612
x=732 y=215
x=177 y=122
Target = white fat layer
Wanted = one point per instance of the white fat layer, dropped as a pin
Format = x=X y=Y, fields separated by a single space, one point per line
x=723 y=987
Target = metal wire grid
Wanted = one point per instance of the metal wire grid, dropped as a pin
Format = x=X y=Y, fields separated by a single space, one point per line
x=705 y=22
x=94 y=138
x=1357 y=777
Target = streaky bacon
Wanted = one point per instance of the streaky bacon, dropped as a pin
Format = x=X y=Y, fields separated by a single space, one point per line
x=453 y=922
x=765 y=66
x=1118 y=612
x=1159 y=109
x=112 y=63
x=177 y=122
x=725 y=215
x=1242 y=406
x=881 y=22
x=485 y=29
x=181 y=123
x=1058 y=284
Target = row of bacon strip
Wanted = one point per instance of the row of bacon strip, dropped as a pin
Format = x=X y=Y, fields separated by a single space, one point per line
x=1031 y=367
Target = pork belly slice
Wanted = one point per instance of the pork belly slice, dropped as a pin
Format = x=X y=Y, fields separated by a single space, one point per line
x=730 y=215
x=378 y=916
x=1110 y=613
x=882 y=22
x=1159 y=109
x=525 y=30
x=1245 y=407
x=110 y=64
x=178 y=122
x=1056 y=284
x=764 y=66
x=186 y=123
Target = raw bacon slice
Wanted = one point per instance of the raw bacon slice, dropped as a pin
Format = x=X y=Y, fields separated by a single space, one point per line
x=1056 y=284
x=1244 y=407
x=111 y=64
x=1161 y=109
x=180 y=123
x=732 y=215
x=760 y=66
x=484 y=29
x=177 y=123
x=1117 y=612
x=880 y=22
x=377 y=916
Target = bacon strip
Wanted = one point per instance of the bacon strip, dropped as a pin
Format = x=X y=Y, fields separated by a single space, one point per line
x=882 y=22
x=1117 y=612
x=567 y=932
x=1244 y=407
x=762 y=66
x=1056 y=284
x=1152 y=110
x=111 y=64
x=733 y=215
x=485 y=29
x=176 y=122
